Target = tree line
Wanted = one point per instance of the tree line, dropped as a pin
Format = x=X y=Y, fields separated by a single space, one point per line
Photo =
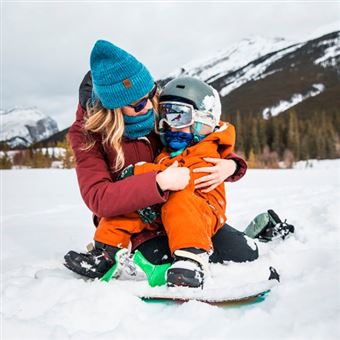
x=265 y=143
x=57 y=155
x=286 y=138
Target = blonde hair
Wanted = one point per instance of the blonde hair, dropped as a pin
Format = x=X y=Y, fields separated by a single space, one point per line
x=109 y=123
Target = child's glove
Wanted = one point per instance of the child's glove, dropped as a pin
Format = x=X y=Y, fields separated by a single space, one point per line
x=148 y=214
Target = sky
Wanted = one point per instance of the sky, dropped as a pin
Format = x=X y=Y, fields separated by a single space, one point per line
x=46 y=45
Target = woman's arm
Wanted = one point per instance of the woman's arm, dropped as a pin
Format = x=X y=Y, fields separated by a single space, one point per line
x=230 y=167
x=104 y=197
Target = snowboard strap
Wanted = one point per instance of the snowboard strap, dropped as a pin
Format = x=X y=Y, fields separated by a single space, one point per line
x=116 y=269
x=194 y=257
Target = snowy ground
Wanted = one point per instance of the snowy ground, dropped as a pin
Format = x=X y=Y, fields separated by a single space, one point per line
x=44 y=217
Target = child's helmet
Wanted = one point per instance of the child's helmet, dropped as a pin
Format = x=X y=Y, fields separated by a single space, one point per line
x=188 y=101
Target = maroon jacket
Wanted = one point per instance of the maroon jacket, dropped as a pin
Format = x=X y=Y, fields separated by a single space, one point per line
x=107 y=197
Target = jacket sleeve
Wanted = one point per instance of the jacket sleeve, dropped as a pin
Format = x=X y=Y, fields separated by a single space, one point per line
x=241 y=167
x=103 y=196
x=227 y=153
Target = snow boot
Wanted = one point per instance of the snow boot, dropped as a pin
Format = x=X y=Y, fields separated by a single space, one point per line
x=97 y=261
x=189 y=268
x=268 y=227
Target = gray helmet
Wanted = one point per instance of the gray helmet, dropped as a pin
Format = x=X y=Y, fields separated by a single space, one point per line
x=204 y=98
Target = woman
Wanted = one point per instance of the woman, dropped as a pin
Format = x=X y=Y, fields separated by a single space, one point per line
x=117 y=129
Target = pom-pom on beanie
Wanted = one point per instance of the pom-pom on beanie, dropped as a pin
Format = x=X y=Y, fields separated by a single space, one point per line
x=119 y=79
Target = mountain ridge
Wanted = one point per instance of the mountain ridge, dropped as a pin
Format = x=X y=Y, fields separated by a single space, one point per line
x=265 y=77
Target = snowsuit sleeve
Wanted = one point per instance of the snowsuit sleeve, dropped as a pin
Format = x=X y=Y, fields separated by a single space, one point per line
x=103 y=196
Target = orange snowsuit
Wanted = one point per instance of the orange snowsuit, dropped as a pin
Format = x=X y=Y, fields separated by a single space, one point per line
x=190 y=217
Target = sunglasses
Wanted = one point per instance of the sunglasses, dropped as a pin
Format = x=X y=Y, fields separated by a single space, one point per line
x=140 y=105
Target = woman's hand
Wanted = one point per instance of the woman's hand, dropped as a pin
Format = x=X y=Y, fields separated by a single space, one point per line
x=173 y=178
x=219 y=172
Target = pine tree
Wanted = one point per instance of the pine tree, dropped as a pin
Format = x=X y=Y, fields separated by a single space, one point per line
x=68 y=157
x=252 y=159
x=262 y=132
x=239 y=133
x=293 y=142
x=5 y=161
x=276 y=143
x=255 y=144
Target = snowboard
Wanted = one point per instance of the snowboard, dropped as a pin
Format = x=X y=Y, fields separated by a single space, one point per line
x=233 y=284
x=247 y=293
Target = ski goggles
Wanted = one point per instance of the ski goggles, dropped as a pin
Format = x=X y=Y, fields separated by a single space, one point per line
x=179 y=115
x=140 y=105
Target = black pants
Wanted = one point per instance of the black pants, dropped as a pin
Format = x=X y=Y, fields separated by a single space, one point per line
x=229 y=245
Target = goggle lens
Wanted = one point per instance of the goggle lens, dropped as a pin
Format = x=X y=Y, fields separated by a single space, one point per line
x=176 y=114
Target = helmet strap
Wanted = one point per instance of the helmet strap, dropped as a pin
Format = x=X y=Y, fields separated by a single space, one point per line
x=195 y=128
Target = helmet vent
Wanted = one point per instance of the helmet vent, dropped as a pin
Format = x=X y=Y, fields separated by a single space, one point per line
x=180 y=86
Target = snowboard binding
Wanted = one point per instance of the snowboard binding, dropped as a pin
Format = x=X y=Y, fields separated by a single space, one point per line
x=189 y=268
x=268 y=227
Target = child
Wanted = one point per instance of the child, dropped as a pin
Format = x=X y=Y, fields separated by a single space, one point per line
x=190 y=126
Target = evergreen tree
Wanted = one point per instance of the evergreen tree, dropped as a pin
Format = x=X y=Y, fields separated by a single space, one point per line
x=5 y=161
x=68 y=157
x=262 y=132
x=293 y=142
x=252 y=159
x=255 y=144
x=276 y=144
x=239 y=133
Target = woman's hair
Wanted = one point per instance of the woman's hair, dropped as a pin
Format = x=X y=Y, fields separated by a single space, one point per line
x=109 y=123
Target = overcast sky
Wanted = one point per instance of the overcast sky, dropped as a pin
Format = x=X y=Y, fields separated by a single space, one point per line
x=46 y=45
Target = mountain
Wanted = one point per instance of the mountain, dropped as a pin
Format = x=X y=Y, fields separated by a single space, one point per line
x=22 y=127
x=263 y=77
x=270 y=76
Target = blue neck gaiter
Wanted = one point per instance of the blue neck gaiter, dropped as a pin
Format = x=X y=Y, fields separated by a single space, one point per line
x=139 y=126
x=176 y=140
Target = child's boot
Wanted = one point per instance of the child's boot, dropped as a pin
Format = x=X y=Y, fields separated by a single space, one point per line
x=189 y=269
x=96 y=262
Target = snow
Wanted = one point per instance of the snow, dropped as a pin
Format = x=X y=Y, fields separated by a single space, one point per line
x=43 y=217
x=332 y=53
x=296 y=98
x=231 y=59
x=255 y=70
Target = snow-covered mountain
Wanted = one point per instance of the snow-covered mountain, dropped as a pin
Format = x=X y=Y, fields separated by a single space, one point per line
x=268 y=76
x=271 y=75
x=236 y=56
x=24 y=126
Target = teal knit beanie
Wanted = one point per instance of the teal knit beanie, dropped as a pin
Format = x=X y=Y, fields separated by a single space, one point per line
x=118 y=78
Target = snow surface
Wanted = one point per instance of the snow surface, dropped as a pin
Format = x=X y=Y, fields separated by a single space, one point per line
x=296 y=98
x=44 y=217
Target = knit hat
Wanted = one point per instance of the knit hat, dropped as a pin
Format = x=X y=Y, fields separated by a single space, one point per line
x=118 y=78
